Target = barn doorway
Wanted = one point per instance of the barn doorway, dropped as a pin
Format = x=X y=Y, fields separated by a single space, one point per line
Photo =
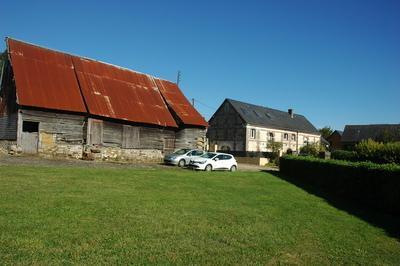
x=30 y=137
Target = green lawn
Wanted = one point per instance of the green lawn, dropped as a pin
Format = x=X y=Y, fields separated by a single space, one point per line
x=168 y=216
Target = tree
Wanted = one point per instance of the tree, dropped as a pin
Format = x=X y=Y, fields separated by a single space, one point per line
x=275 y=147
x=326 y=131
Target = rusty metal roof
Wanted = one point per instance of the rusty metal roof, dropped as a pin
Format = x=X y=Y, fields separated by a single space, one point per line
x=54 y=80
x=179 y=104
x=44 y=78
x=119 y=93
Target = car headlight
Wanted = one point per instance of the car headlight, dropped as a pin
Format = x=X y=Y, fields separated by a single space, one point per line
x=203 y=162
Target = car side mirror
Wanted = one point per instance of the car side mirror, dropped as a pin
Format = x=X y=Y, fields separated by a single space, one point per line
x=216 y=159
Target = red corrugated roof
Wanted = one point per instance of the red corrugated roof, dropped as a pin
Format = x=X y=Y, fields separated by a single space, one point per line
x=118 y=93
x=55 y=80
x=179 y=104
x=44 y=78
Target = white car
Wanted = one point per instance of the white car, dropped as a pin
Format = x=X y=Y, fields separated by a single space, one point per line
x=214 y=161
x=182 y=157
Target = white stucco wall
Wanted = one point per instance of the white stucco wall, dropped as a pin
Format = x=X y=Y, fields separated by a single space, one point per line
x=259 y=143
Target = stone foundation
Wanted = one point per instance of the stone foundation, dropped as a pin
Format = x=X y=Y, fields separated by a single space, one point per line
x=62 y=151
x=49 y=147
x=118 y=154
x=5 y=146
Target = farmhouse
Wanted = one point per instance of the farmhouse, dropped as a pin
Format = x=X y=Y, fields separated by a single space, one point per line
x=239 y=126
x=58 y=104
x=353 y=134
x=335 y=140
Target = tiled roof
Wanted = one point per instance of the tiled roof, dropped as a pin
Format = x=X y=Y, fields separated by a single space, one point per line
x=272 y=118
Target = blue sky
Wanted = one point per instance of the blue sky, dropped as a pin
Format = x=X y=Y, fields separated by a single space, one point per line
x=336 y=62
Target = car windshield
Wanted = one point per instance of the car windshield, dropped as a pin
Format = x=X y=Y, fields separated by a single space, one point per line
x=181 y=151
x=208 y=155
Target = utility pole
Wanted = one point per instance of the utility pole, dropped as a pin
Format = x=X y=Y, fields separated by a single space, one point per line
x=178 y=78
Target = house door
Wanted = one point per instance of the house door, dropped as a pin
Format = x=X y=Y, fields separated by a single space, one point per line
x=30 y=137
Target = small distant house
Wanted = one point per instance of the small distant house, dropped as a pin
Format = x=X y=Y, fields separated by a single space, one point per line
x=335 y=140
x=239 y=126
x=353 y=134
x=58 y=104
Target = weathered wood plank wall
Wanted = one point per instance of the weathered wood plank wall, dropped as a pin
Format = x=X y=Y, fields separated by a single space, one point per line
x=129 y=137
x=190 y=138
x=67 y=128
x=8 y=127
x=227 y=128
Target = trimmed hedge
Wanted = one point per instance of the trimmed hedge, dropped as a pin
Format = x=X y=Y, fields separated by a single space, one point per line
x=377 y=185
x=369 y=150
x=351 y=156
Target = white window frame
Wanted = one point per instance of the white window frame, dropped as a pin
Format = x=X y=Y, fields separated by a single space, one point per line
x=271 y=136
x=285 y=136
x=253 y=133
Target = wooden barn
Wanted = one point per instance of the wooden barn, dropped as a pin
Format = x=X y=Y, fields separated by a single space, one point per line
x=57 y=104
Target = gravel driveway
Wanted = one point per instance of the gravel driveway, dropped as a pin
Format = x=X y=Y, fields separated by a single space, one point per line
x=6 y=159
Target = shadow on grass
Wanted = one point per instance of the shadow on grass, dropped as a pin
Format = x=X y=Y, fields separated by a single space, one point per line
x=389 y=222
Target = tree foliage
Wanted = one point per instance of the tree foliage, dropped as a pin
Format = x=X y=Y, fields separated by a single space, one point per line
x=326 y=131
x=275 y=146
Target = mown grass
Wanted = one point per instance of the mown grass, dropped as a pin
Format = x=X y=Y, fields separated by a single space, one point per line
x=168 y=216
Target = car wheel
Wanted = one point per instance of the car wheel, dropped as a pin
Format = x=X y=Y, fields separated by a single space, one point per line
x=208 y=167
x=181 y=163
x=233 y=168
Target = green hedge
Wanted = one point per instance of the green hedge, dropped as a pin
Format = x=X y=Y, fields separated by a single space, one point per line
x=370 y=150
x=377 y=185
x=351 y=156
x=377 y=152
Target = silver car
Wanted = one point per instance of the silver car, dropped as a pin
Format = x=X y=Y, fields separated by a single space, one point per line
x=182 y=157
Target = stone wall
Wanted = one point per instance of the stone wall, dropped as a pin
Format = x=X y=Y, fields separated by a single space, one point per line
x=5 y=146
x=100 y=153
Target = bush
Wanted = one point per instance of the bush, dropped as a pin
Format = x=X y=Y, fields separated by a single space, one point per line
x=376 y=185
x=369 y=150
x=311 y=149
x=345 y=155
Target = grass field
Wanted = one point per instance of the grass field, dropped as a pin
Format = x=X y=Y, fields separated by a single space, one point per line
x=167 y=216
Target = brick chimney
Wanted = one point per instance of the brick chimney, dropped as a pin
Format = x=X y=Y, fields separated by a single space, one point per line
x=290 y=112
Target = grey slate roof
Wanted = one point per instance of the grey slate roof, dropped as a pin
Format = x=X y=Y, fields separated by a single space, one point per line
x=340 y=132
x=356 y=133
x=272 y=118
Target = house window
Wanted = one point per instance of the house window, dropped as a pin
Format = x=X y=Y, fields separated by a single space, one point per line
x=286 y=136
x=253 y=133
x=28 y=126
x=293 y=137
x=271 y=136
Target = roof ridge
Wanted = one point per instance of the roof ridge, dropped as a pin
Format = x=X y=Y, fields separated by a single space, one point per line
x=80 y=56
x=265 y=107
x=363 y=125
